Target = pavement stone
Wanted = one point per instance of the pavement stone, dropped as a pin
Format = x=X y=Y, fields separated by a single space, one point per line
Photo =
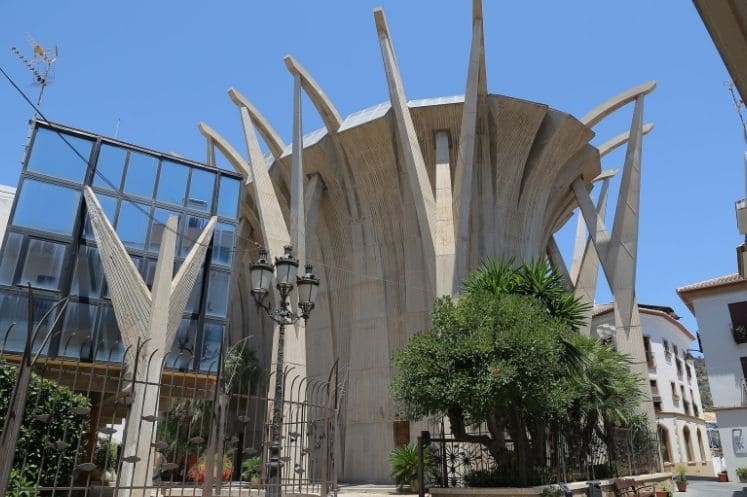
x=712 y=488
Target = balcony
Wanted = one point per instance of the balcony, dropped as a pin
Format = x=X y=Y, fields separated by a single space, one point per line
x=650 y=360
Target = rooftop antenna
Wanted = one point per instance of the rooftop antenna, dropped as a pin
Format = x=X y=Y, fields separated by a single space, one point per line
x=40 y=65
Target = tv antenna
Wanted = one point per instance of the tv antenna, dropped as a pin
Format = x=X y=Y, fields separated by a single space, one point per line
x=739 y=106
x=40 y=64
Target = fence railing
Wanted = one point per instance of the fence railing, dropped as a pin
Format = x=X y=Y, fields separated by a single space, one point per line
x=446 y=461
x=206 y=436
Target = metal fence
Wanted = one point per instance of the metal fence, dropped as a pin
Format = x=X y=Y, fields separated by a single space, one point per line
x=68 y=421
x=446 y=461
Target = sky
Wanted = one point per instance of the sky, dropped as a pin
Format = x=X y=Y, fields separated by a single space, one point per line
x=151 y=71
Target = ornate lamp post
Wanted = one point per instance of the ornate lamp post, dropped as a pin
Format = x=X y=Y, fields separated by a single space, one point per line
x=286 y=278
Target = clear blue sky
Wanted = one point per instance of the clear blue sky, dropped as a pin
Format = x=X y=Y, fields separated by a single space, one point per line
x=161 y=67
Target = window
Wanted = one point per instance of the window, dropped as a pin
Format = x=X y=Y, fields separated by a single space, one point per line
x=157 y=228
x=664 y=443
x=109 y=347
x=109 y=167
x=649 y=354
x=700 y=445
x=678 y=363
x=141 y=175
x=183 y=349
x=88 y=278
x=688 y=443
x=223 y=242
x=212 y=338
x=667 y=352
x=132 y=225
x=109 y=206
x=50 y=155
x=657 y=406
x=675 y=395
x=13 y=309
x=201 y=190
x=46 y=207
x=43 y=265
x=654 y=388
x=11 y=255
x=76 y=339
x=172 y=183
x=192 y=230
x=228 y=197
x=401 y=433
x=217 y=296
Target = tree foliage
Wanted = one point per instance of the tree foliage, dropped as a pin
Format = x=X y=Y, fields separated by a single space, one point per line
x=506 y=355
x=52 y=437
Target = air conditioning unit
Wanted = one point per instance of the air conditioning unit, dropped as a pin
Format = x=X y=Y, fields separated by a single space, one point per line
x=741 y=208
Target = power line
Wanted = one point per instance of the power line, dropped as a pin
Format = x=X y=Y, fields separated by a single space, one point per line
x=256 y=246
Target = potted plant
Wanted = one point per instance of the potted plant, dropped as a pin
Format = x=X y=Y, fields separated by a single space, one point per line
x=741 y=474
x=665 y=490
x=251 y=470
x=680 y=478
x=739 y=331
x=404 y=461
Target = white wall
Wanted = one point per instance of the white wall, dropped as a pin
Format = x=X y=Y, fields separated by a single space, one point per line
x=721 y=352
x=7 y=194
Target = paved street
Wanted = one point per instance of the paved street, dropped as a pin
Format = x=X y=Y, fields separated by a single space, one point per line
x=709 y=488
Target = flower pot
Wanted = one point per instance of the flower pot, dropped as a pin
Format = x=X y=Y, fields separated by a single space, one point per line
x=723 y=476
x=414 y=487
x=682 y=486
x=661 y=493
x=743 y=478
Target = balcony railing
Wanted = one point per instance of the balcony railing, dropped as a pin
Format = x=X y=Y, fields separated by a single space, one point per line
x=743 y=388
x=650 y=360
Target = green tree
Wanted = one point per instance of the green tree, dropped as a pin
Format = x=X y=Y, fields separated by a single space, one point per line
x=53 y=433
x=507 y=354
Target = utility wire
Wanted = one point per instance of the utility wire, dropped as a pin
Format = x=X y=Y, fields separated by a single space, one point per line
x=255 y=246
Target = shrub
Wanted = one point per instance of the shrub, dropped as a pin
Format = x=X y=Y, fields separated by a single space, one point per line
x=251 y=469
x=404 y=462
x=197 y=471
x=50 y=418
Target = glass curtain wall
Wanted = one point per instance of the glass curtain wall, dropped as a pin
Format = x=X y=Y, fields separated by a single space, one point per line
x=49 y=243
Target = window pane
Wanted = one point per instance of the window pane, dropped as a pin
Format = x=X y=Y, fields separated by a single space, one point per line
x=43 y=265
x=223 y=240
x=13 y=309
x=217 y=299
x=211 y=341
x=201 y=190
x=109 y=205
x=109 y=346
x=148 y=271
x=132 y=224
x=183 y=349
x=141 y=174
x=88 y=279
x=109 y=167
x=160 y=216
x=172 y=183
x=77 y=331
x=11 y=254
x=228 y=197
x=192 y=231
x=52 y=156
x=46 y=207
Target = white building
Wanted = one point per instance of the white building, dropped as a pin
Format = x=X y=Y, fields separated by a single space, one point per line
x=720 y=306
x=7 y=194
x=674 y=387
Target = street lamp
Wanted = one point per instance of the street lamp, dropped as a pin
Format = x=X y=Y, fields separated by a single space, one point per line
x=286 y=278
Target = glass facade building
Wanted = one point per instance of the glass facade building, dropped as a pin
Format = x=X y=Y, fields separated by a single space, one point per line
x=49 y=243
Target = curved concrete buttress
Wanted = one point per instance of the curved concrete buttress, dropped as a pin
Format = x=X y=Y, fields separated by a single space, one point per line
x=269 y=135
x=606 y=108
x=418 y=178
x=323 y=104
x=620 y=140
x=464 y=175
x=230 y=153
